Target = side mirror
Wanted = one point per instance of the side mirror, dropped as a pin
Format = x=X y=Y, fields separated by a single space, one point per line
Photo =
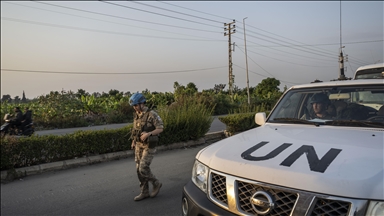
x=260 y=118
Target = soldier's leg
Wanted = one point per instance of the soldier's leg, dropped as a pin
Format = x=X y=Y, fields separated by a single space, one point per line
x=143 y=182
x=148 y=155
x=138 y=157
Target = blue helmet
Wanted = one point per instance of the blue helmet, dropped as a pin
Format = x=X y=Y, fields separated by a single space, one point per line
x=320 y=98
x=136 y=98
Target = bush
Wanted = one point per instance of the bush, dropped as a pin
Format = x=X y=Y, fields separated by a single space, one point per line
x=182 y=122
x=236 y=123
x=185 y=120
x=239 y=122
x=28 y=151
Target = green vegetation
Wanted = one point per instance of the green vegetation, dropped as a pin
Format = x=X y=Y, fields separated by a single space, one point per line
x=187 y=115
x=68 y=109
x=187 y=120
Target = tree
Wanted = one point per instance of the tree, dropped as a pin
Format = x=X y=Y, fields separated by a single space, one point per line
x=81 y=92
x=267 y=87
x=191 y=88
x=96 y=94
x=6 y=98
x=17 y=99
x=23 y=99
x=113 y=92
x=219 y=87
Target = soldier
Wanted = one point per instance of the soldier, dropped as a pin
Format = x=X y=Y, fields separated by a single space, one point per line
x=319 y=103
x=147 y=125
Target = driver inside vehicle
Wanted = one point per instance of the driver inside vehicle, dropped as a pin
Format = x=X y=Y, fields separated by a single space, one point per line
x=319 y=104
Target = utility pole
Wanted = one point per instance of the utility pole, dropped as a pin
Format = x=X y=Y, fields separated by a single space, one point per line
x=246 y=61
x=231 y=29
x=341 y=57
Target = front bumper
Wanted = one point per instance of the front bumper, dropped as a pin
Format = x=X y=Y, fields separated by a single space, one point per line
x=195 y=202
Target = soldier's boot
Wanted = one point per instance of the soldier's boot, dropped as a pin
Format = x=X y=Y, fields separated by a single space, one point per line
x=141 y=196
x=156 y=188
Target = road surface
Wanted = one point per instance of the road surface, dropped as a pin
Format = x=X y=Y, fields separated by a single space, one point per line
x=216 y=125
x=101 y=189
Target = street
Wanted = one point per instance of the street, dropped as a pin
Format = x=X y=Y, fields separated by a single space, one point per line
x=101 y=189
x=216 y=125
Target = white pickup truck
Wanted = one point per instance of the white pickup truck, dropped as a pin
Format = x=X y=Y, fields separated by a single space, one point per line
x=302 y=160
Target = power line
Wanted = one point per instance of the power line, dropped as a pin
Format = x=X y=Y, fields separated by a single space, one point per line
x=361 y=61
x=293 y=47
x=176 y=12
x=288 y=61
x=136 y=20
x=160 y=14
x=94 y=73
x=330 y=44
x=290 y=52
x=276 y=35
x=194 y=10
x=100 y=31
x=264 y=75
x=110 y=21
x=256 y=63
x=250 y=71
x=306 y=48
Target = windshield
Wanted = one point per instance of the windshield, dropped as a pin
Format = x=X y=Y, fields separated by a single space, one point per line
x=343 y=106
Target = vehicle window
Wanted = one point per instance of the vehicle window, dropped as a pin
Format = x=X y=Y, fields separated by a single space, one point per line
x=290 y=106
x=373 y=73
x=348 y=104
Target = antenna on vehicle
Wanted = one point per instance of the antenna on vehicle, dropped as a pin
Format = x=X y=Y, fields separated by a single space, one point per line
x=341 y=57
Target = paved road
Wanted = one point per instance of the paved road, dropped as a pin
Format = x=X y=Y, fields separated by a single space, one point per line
x=217 y=125
x=101 y=189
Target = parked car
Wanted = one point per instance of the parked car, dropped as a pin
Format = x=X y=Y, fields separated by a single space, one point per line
x=299 y=162
x=372 y=71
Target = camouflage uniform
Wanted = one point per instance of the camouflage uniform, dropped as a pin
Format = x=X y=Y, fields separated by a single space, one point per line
x=147 y=121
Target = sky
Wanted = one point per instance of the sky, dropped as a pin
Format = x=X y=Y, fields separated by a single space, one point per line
x=136 y=45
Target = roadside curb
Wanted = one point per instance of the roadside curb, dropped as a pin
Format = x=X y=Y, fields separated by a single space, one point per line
x=9 y=175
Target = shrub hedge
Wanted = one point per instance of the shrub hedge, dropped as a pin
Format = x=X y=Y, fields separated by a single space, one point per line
x=187 y=121
x=236 y=123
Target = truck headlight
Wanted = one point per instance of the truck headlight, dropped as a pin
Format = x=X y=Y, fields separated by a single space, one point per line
x=200 y=175
x=375 y=208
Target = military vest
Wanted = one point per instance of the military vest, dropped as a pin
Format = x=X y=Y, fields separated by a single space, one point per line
x=141 y=124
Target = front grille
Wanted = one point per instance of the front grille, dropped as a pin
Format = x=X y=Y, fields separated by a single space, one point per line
x=326 y=207
x=235 y=194
x=284 y=201
x=219 y=189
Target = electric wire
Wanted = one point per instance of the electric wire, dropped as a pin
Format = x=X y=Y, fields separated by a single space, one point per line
x=306 y=48
x=305 y=45
x=247 y=25
x=358 y=60
x=277 y=35
x=330 y=44
x=165 y=24
x=291 y=45
x=288 y=52
x=327 y=56
x=94 y=73
x=109 y=21
x=288 y=61
x=136 y=20
x=255 y=62
x=176 y=12
x=159 y=14
x=102 y=31
x=193 y=10
x=329 y=53
x=264 y=75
